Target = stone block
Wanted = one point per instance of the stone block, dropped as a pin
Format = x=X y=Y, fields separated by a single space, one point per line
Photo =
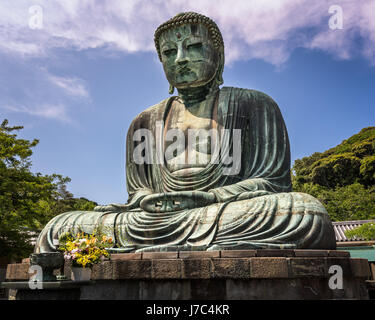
x=196 y=268
x=160 y=255
x=265 y=267
x=198 y=254
x=360 y=268
x=237 y=253
x=165 y=290
x=66 y=294
x=111 y=290
x=132 y=269
x=208 y=289
x=308 y=267
x=338 y=253
x=126 y=256
x=166 y=269
x=343 y=262
x=275 y=253
x=102 y=271
x=227 y=268
x=310 y=253
x=274 y=289
x=18 y=271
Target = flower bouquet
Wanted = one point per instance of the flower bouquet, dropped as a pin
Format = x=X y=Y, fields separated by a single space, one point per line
x=84 y=250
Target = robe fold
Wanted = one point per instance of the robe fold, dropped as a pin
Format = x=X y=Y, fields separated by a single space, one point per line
x=265 y=159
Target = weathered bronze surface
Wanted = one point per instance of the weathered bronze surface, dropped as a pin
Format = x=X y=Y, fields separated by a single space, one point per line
x=194 y=198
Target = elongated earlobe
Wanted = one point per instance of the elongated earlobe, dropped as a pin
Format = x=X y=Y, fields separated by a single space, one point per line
x=219 y=76
x=171 y=89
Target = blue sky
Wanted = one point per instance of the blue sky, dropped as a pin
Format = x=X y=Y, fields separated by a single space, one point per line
x=76 y=83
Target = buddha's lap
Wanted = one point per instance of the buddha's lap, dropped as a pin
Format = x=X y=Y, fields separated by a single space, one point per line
x=277 y=213
x=278 y=204
x=281 y=203
x=292 y=206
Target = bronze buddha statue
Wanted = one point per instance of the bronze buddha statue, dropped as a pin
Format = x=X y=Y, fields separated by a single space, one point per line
x=208 y=169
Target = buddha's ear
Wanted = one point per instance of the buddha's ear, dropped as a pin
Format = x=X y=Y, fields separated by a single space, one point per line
x=219 y=73
x=171 y=89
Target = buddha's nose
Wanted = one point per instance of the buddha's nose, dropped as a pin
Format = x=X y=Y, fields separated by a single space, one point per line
x=181 y=58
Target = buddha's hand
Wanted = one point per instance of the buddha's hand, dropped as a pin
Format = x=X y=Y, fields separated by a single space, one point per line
x=113 y=207
x=119 y=207
x=177 y=201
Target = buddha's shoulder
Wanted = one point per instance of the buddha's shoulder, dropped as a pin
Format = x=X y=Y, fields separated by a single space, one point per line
x=156 y=107
x=148 y=112
x=250 y=95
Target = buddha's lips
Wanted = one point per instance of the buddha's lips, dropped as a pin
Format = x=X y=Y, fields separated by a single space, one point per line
x=183 y=70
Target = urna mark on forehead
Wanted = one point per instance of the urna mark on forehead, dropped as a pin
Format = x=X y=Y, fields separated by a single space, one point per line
x=180 y=33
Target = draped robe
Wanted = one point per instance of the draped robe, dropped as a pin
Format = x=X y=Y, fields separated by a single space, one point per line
x=254 y=207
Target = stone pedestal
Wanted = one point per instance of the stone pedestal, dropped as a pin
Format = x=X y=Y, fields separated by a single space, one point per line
x=221 y=275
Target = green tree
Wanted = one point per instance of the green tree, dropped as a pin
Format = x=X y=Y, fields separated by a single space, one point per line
x=352 y=202
x=27 y=200
x=351 y=161
x=342 y=178
x=365 y=231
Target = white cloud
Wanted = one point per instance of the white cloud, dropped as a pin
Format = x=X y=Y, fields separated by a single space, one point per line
x=71 y=85
x=30 y=89
x=56 y=112
x=269 y=30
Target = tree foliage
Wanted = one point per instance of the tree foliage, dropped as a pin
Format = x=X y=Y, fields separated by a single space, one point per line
x=365 y=231
x=342 y=178
x=27 y=200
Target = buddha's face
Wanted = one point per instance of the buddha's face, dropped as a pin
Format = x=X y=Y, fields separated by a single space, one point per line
x=188 y=55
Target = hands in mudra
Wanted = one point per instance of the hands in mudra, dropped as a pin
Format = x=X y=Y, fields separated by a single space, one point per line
x=165 y=202
x=176 y=201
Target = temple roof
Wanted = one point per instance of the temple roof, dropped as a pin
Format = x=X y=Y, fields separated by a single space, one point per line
x=341 y=226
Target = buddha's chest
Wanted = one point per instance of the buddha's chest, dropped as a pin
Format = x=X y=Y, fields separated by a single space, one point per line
x=188 y=137
x=183 y=119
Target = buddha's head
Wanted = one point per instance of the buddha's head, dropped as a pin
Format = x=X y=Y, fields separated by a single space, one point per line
x=191 y=49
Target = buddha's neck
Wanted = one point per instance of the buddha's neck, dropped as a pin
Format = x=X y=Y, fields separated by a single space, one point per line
x=191 y=96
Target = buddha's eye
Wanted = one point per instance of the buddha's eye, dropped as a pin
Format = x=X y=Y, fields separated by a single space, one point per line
x=196 y=45
x=169 y=52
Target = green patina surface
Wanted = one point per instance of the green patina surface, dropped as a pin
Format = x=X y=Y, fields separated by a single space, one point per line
x=215 y=202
